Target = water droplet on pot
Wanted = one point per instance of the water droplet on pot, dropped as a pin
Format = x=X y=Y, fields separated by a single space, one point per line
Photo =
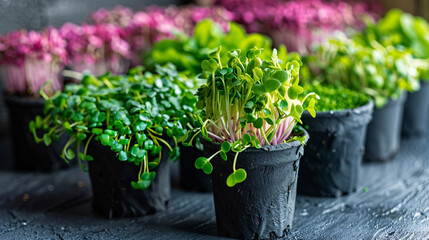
x=331 y=112
x=417 y=214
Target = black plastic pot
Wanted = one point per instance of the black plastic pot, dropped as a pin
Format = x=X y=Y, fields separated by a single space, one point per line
x=384 y=131
x=191 y=178
x=333 y=155
x=416 y=112
x=113 y=195
x=262 y=206
x=29 y=155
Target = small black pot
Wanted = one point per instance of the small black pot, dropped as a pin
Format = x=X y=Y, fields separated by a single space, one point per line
x=330 y=167
x=113 y=195
x=416 y=112
x=262 y=206
x=384 y=131
x=191 y=178
x=28 y=155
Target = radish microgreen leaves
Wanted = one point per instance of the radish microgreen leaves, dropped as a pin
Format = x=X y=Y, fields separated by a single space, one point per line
x=248 y=102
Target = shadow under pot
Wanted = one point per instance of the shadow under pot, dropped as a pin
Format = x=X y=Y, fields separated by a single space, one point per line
x=333 y=155
x=383 y=135
x=416 y=112
x=113 y=195
x=191 y=178
x=263 y=205
x=29 y=155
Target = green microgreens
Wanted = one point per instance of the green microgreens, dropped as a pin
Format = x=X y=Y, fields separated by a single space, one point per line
x=133 y=115
x=336 y=98
x=381 y=72
x=248 y=102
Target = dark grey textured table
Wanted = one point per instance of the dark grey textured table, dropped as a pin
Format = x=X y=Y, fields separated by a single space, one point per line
x=392 y=202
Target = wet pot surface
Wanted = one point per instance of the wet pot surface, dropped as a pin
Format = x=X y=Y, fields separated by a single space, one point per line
x=29 y=155
x=113 y=195
x=384 y=131
x=416 y=112
x=333 y=155
x=261 y=207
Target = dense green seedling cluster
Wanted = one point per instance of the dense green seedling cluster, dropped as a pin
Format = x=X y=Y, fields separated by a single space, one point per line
x=188 y=52
x=135 y=115
x=381 y=72
x=401 y=30
x=249 y=102
x=336 y=98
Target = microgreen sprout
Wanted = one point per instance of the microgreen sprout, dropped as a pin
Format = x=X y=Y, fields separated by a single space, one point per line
x=136 y=116
x=248 y=102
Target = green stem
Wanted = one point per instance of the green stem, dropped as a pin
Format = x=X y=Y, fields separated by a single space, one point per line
x=129 y=142
x=78 y=158
x=141 y=168
x=66 y=147
x=87 y=144
x=236 y=156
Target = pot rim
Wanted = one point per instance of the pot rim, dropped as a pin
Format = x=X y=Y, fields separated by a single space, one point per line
x=367 y=108
x=271 y=148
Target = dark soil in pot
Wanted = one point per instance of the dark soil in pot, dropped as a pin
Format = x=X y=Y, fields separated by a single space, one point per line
x=29 y=155
x=113 y=195
x=262 y=206
x=333 y=155
x=191 y=178
x=384 y=131
x=416 y=112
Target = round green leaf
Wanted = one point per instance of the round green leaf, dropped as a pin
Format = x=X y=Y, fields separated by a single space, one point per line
x=258 y=123
x=148 y=145
x=47 y=139
x=135 y=150
x=104 y=138
x=240 y=175
x=152 y=175
x=272 y=84
x=225 y=147
x=81 y=136
x=122 y=156
x=223 y=156
x=284 y=105
x=294 y=91
x=207 y=168
x=70 y=154
x=230 y=181
x=142 y=184
x=200 y=162
x=110 y=132
x=259 y=89
x=246 y=139
x=280 y=75
x=145 y=176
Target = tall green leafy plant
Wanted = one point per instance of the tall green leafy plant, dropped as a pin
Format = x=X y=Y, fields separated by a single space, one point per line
x=249 y=103
x=381 y=72
x=187 y=52
x=134 y=115
x=401 y=30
